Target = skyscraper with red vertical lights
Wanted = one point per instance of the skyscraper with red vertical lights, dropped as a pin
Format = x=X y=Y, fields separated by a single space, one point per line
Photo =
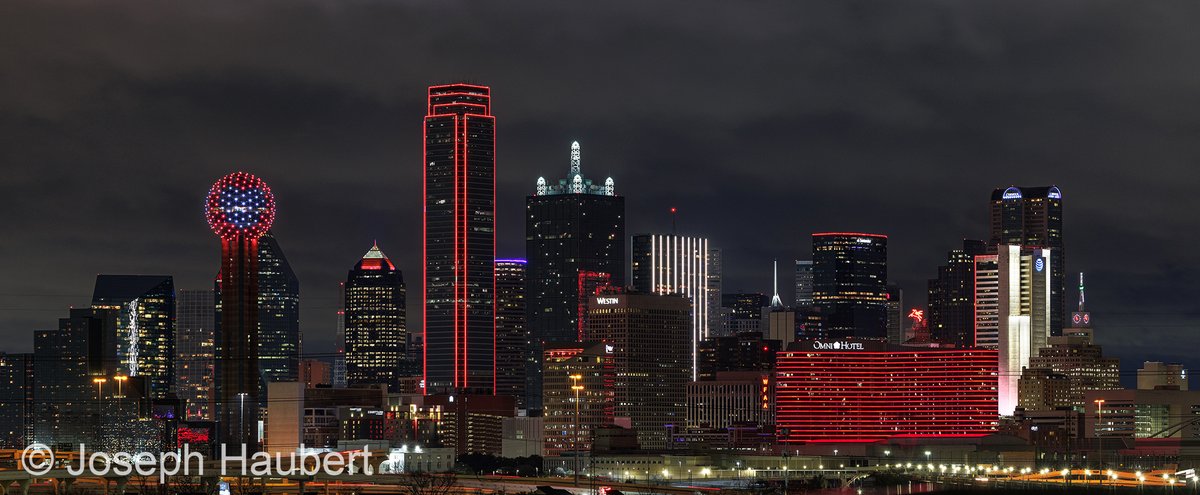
x=459 y=240
x=240 y=209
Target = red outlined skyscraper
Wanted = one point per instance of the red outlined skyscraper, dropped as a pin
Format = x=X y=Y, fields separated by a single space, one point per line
x=459 y=240
x=240 y=209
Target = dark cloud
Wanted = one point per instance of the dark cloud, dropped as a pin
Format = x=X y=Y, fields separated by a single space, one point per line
x=763 y=122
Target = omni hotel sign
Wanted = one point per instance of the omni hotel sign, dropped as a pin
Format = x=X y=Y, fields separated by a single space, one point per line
x=838 y=346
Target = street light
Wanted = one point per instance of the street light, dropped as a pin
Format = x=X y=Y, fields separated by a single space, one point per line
x=1100 y=430
x=99 y=381
x=575 y=386
x=120 y=379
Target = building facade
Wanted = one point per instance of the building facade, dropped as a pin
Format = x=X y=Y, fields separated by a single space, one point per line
x=376 y=324
x=16 y=400
x=459 y=221
x=850 y=284
x=951 y=316
x=145 y=309
x=574 y=231
x=1154 y=375
x=572 y=416
x=67 y=405
x=512 y=338
x=742 y=312
x=836 y=390
x=279 y=339
x=1012 y=311
x=732 y=398
x=747 y=351
x=804 y=283
x=896 y=333
x=195 y=347
x=672 y=264
x=1082 y=362
x=652 y=358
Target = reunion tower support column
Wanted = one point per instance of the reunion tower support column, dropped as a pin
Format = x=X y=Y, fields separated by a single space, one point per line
x=240 y=209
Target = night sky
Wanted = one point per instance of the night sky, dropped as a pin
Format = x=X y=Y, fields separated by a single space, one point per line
x=762 y=122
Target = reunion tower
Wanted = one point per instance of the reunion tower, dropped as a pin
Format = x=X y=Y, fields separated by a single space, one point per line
x=240 y=208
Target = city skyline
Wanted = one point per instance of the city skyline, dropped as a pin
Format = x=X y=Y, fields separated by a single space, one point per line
x=362 y=185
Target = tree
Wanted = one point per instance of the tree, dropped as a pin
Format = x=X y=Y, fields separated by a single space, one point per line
x=422 y=483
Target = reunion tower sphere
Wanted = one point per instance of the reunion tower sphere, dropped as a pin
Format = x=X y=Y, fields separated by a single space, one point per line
x=240 y=205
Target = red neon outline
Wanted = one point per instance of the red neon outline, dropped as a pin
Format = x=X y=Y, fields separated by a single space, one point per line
x=460 y=268
x=850 y=234
x=875 y=395
x=425 y=258
x=494 y=208
x=442 y=103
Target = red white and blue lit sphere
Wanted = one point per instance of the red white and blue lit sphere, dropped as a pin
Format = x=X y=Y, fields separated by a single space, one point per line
x=240 y=205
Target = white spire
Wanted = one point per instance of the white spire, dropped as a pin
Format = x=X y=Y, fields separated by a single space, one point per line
x=1081 y=292
x=575 y=158
x=776 y=302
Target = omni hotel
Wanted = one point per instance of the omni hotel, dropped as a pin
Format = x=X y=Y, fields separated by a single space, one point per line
x=868 y=390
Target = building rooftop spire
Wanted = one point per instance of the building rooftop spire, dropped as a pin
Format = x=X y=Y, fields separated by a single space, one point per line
x=575 y=183
x=375 y=259
x=776 y=301
x=1081 y=300
x=574 y=158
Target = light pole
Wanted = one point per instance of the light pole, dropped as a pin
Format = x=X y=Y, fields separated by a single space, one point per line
x=120 y=379
x=242 y=417
x=1100 y=429
x=576 y=387
x=99 y=381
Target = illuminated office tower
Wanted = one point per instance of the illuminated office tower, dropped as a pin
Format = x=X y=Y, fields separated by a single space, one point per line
x=742 y=312
x=279 y=338
x=574 y=233
x=80 y=357
x=145 y=309
x=673 y=264
x=651 y=356
x=512 y=338
x=376 y=332
x=952 y=296
x=850 y=284
x=16 y=400
x=714 y=291
x=895 y=315
x=1012 y=304
x=804 y=283
x=195 y=330
x=591 y=365
x=458 y=282
x=1033 y=216
x=1075 y=355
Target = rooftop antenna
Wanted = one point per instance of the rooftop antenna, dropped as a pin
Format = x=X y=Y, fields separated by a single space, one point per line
x=674 y=210
x=776 y=302
x=1080 y=292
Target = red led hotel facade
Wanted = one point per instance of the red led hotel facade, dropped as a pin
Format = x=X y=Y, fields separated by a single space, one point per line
x=852 y=390
x=459 y=221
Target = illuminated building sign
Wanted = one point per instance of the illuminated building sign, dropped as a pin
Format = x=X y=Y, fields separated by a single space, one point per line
x=1054 y=193
x=838 y=346
x=609 y=349
x=1012 y=193
x=1039 y=264
x=607 y=300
